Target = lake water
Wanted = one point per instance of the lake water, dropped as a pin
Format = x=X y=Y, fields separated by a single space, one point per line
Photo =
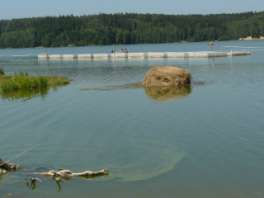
x=207 y=143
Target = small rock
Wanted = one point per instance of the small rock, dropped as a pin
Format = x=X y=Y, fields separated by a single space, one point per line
x=2 y=171
x=8 y=166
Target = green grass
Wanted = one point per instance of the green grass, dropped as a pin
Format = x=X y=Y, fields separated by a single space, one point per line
x=23 y=85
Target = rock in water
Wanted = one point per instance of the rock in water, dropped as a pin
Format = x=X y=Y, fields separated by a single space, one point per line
x=8 y=166
x=168 y=76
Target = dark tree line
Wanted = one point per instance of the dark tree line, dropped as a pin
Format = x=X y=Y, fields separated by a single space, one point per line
x=127 y=29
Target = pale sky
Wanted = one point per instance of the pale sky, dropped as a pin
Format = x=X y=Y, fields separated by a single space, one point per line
x=32 y=8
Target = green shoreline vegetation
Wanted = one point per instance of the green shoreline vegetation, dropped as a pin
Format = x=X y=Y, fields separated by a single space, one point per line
x=105 y=29
x=23 y=85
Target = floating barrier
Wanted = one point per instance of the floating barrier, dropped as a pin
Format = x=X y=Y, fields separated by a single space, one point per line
x=83 y=57
x=140 y=55
x=69 y=57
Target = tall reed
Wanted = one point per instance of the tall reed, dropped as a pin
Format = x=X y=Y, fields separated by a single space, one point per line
x=23 y=84
x=2 y=72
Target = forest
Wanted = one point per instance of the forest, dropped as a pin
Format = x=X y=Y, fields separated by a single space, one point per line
x=127 y=28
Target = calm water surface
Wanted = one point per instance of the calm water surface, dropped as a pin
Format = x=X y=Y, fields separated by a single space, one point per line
x=208 y=143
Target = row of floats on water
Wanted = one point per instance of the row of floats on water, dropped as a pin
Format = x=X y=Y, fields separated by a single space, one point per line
x=139 y=55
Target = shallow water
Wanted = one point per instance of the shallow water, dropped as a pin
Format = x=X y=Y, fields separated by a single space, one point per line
x=206 y=143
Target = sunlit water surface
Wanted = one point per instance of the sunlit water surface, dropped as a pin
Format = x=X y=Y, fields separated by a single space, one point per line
x=203 y=144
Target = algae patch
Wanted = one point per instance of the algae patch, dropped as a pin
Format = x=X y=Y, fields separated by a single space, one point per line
x=146 y=163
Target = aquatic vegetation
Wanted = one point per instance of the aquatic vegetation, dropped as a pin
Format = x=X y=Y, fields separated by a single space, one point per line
x=23 y=82
x=32 y=183
x=2 y=72
x=25 y=86
x=23 y=94
x=134 y=173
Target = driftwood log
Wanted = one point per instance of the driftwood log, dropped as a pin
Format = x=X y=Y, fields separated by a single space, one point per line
x=68 y=174
x=57 y=176
x=6 y=167
x=60 y=175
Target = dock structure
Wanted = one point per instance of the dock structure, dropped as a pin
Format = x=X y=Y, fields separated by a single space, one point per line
x=139 y=55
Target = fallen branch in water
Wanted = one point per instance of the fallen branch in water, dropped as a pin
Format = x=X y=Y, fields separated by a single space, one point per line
x=57 y=176
x=68 y=174
x=61 y=175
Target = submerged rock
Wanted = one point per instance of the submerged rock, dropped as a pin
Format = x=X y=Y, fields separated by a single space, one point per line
x=168 y=76
x=6 y=166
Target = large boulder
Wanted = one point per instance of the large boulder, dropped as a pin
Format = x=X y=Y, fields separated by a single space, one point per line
x=167 y=76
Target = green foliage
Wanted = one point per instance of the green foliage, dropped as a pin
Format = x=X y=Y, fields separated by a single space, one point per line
x=22 y=85
x=127 y=29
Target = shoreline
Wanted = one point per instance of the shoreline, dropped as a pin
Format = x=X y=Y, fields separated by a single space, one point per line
x=251 y=38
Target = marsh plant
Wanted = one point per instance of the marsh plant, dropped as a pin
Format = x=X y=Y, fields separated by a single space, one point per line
x=25 y=86
x=23 y=82
x=2 y=72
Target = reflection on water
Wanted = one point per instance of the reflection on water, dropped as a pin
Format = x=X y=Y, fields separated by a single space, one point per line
x=114 y=87
x=161 y=94
x=164 y=94
x=24 y=94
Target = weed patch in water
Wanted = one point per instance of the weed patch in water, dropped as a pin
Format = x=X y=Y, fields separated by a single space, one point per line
x=26 y=86
x=2 y=72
